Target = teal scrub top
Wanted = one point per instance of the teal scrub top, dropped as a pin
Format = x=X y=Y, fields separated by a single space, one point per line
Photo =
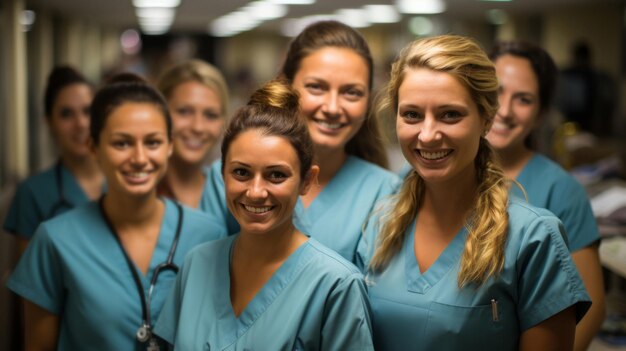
x=74 y=268
x=316 y=300
x=213 y=199
x=335 y=218
x=39 y=198
x=428 y=311
x=548 y=186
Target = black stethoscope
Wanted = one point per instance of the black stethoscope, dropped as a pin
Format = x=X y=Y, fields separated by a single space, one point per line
x=144 y=333
x=62 y=202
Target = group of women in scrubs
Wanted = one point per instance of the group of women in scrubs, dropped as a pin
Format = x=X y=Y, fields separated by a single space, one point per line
x=451 y=259
x=270 y=286
x=96 y=277
x=75 y=178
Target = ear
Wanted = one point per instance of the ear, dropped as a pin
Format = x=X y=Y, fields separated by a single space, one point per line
x=170 y=150
x=310 y=178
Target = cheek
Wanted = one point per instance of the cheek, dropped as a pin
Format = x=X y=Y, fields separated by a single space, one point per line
x=357 y=110
x=178 y=122
x=309 y=103
x=215 y=127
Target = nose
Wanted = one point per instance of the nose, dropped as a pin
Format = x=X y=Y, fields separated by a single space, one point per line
x=429 y=131
x=257 y=189
x=504 y=108
x=139 y=157
x=197 y=122
x=331 y=105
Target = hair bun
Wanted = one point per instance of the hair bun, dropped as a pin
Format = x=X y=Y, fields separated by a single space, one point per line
x=276 y=93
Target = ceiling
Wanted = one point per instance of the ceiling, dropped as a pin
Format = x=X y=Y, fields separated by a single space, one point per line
x=195 y=15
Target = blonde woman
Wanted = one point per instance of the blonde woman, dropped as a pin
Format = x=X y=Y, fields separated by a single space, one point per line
x=456 y=263
x=197 y=96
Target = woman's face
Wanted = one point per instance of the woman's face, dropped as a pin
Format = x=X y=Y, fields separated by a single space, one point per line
x=438 y=126
x=69 y=120
x=263 y=182
x=518 y=95
x=134 y=148
x=334 y=91
x=197 y=121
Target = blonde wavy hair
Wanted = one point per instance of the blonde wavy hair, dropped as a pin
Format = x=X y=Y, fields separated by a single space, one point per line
x=487 y=226
x=197 y=71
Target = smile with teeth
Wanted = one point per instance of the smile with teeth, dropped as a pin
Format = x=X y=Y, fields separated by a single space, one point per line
x=329 y=125
x=499 y=125
x=137 y=174
x=194 y=143
x=257 y=209
x=434 y=155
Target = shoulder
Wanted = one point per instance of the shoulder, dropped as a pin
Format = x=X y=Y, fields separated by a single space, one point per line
x=209 y=251
x=198 y=221
x=331 y=263
x=551 y=173
x=528 y=223
x=76 y=221
x=364 y=171
x=37 y=182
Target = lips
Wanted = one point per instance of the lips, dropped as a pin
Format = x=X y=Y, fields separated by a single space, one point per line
x=328 y=126
x=257 y=209
x=194 y=143
x=499 y=126
x=434 y=155
x=137 y=177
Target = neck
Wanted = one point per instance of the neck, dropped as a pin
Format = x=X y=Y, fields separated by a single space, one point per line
x=124 y=210
x=450 y=202
x=330 y=162
x=269 y=247
x=180 y=174
x=513 y=160
x=81 y=167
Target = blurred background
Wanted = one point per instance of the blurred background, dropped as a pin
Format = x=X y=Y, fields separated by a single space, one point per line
x=247 y=41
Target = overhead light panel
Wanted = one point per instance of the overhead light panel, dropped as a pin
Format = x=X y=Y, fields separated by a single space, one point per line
x=421 y=6
x=292 y=2
x=382 y=13
x=356 y=18
x=156 y=3
x=264 y=10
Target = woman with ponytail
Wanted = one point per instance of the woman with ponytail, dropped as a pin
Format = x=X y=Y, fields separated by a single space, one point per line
x=453 y=262
x=269 y=287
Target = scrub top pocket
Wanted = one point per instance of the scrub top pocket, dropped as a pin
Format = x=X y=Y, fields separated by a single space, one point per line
x=474 y=327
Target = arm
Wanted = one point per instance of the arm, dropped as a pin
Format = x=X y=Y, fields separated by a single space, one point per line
x=587 y=261
x=555 y=333
x=41 y=328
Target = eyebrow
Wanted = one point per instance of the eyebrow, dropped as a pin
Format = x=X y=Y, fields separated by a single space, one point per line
x=127 y=135
x=270 y=166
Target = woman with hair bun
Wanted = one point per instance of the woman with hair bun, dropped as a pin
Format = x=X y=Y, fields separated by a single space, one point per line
x=97 y=276
x=453 y=262
x=75 y=179
x=270 y=286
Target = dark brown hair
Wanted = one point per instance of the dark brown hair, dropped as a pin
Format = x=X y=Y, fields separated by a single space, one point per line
x=60 y=78
x=274 y=110
x=367 y=143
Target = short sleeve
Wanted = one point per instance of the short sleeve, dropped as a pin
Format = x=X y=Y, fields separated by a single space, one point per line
x=38 y=276
x=367 y=244
x=24 y=215
x=347 y=323
x=577 y=217
x=214 y=198
x=548 y=281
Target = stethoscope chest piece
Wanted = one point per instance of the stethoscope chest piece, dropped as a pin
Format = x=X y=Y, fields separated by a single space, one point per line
x=143 y=333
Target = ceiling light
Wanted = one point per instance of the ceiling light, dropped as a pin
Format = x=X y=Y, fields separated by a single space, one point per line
x=156 y=3
x=292 y=2
x=155 y=12
x=421 y=6
x=382 y=13
x=421 y=25
x=356 y=18
x=292 y=27
x=263 y=10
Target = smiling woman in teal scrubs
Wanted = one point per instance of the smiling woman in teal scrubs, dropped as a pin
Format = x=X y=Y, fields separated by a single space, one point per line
x=97 y=276
x=456 y=264
x=527 y=76
x=269 y=287
x=75 y=178
x=329 y=64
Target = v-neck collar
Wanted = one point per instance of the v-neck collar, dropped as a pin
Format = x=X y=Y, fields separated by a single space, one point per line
x=421 y=282
x=263 y=298
x=72 y=190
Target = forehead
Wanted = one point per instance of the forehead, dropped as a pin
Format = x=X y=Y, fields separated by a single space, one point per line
x=430 y=86
x=257 y=148
x=335 y=62
x=77 y=92
x=515 y=70
x=134 y=117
